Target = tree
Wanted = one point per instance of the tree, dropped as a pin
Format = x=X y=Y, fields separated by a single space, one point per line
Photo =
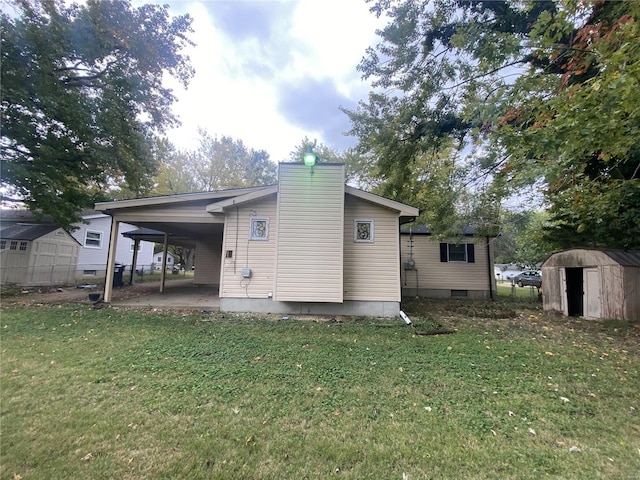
x=82 y=98
x=520 y=93
x=217 y=164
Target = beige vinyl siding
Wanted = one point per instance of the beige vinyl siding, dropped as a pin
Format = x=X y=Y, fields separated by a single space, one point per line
x=47 y=260
x=436 y=275
x=371 y=269
x=258 y=255
x=310 y=226
x=208 y=261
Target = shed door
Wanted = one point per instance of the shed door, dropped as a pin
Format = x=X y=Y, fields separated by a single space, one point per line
x=563 y=292
x=592 y=302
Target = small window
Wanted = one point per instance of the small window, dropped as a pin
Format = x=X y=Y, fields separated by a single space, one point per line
x=13 y=245
x=93 y=239
x=159 y=258
x=132 y=246
x=228 y=254
x=89 y=273
x=23 y=246
x=60 y=233
x=363 y=231
x=457 y=252
x=259 y=228
x=3 y=244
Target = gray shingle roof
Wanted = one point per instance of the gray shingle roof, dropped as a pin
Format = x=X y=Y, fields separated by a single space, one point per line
x=21 y=231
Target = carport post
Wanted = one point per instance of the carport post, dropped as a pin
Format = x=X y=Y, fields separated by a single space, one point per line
x=136 y=244
x=163 y=273
x=111 y=260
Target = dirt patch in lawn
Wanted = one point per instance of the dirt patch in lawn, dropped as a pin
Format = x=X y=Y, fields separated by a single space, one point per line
x=54 y=295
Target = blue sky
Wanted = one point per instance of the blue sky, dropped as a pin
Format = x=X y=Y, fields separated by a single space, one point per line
x=270 y=73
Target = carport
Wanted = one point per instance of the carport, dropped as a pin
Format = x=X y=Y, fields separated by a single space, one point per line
x=177 y=220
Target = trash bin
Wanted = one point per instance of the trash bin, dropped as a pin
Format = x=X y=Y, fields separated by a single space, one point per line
x=118 y=270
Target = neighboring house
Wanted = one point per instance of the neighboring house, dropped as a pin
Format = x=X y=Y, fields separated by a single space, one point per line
x=158 y=257
x=94 y=238
x=593 y=283
x=37 y=255
x=307 y=245
x=461 y=267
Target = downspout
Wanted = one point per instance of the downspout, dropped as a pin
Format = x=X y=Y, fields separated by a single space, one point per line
x=489 y=269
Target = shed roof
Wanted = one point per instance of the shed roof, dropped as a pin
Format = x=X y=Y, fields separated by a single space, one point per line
x=22 y=231
x=624 y=258
x=579 y=256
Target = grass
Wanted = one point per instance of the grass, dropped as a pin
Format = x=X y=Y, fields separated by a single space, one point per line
x=140 y=394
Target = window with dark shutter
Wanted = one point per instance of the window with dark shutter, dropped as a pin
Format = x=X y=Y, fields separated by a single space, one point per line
x=452 y=252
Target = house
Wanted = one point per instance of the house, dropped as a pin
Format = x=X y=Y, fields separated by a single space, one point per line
x=593 y=283
x=456 y=267
x=158 y=258
x=309 y=244
x=93 y=237
x=37 y=255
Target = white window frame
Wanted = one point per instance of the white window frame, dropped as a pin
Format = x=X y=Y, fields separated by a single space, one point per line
x=13 y=245
x=252 y=231
x=23 y=246
x=133 y=242
x=356 y=237
x=3 y=244
x=99 y=239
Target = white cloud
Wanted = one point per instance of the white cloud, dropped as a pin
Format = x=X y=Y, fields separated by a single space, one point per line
x=240 y=79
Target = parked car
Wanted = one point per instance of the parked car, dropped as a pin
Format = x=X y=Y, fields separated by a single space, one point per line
x=529 y=278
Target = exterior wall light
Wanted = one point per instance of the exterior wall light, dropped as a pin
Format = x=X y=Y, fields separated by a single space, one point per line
x=310 y=158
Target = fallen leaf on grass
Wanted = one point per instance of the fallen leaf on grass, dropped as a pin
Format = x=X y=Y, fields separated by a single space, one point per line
x=548 y=353
x=532 y=431
x=564 y=399
x=87 y=457
x=574 y=449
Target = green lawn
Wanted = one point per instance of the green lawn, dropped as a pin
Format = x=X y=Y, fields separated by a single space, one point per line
x=92 y=394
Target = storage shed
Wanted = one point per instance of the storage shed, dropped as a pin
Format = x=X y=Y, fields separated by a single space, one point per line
x=593 y=283
x=37 y=255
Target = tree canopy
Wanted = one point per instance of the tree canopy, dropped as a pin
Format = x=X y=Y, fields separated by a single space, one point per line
x=496 y=95
x=83 y=98
x=218 y=163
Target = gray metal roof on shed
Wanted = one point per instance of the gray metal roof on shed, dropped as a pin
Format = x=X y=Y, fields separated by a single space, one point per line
x=21 y=231
x=624 y=258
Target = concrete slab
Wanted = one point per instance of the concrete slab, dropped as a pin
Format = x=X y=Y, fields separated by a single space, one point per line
x=177 y=294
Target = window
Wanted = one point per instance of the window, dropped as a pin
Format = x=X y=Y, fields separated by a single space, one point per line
x=93 y=239
x=259 y=228
x=228 y=254
x=13 y=245
x=23 y=246
x=457 y=252
x=3 y=244
x=159 y=258
x=363 y=231
x=132 y=246
x=89 y=273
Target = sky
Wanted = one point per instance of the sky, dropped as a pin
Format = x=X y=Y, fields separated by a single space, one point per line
x=271 y=73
